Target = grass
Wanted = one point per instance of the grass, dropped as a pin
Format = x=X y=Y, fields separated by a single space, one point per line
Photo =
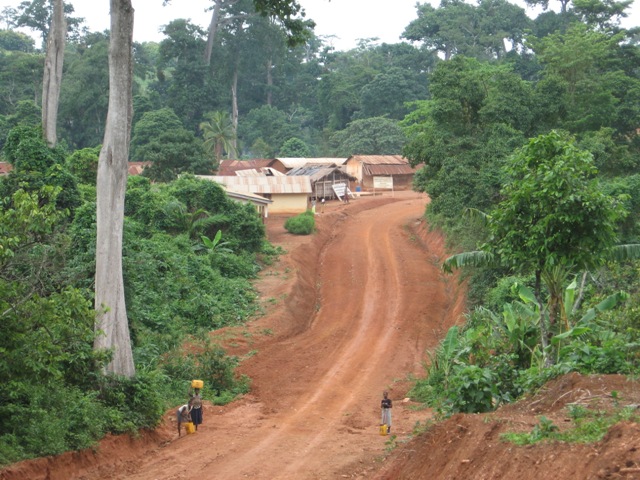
x=587 y=426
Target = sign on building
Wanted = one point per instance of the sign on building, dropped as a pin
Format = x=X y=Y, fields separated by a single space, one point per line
x=383 y=182
x=341 y=190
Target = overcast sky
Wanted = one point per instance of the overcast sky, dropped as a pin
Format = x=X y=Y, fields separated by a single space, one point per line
x=346 y=20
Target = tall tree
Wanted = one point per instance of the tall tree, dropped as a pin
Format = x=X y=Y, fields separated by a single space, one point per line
x=37 y=15
x=52 y=78
x=457 y=27
x=554 y=219
x=112 y=321
x=369 y=136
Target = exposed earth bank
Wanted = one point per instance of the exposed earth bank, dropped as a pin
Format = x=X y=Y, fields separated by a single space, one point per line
x=350 y=312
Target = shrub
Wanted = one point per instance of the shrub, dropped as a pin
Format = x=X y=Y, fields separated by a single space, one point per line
x=303 y=224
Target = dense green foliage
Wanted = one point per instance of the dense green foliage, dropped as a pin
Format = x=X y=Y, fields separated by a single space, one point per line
x=545 y=217
x=54 y=396
x=303 y=224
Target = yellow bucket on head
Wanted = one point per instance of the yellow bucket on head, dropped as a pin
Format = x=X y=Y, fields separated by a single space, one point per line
x=190 y=427
x=197 y=384
x=383 y=429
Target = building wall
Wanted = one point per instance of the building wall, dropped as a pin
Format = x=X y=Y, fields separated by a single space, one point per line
x=400 y=182
x=354 y=168
x=288 y=203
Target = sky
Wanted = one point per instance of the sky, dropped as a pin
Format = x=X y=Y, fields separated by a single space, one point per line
x=345 y=21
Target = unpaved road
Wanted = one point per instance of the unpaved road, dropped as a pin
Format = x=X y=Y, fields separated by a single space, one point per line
x=350 y=313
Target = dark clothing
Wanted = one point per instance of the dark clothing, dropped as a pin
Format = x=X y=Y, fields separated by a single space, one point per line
x=196 y=409
x=386 y=406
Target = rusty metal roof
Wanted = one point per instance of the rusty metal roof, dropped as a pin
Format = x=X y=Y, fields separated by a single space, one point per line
x=5 y=168
x=263 y=185
x=301 y=162
x=136 y=168
x=379 y=159
x=229 y=167
x=388 y=169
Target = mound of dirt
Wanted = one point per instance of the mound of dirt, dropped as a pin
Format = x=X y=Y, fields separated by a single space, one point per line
x=470 y=446
x=349 y=312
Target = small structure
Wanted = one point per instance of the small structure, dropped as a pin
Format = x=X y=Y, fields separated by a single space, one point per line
x=136 y=168
x=287 y=164
x=290 y=195
x=370 y=170
x=323 y=178
x=5 y=168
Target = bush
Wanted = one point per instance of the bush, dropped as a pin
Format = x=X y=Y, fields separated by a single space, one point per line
x=207 y=361
x=472 y=389
x=303 y=224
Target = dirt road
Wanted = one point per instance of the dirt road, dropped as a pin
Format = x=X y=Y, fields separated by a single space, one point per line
x=350 y=313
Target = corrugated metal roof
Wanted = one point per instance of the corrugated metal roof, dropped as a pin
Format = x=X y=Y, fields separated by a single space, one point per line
x=258 y=172
x=317 y=172
x=388 y=169
x=379 y=159
x=300 y=162
x=263 y=185
x=136 y=168
x=247 y=196
x=229 y=167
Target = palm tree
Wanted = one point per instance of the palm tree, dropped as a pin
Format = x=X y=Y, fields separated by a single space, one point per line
x=219 y=135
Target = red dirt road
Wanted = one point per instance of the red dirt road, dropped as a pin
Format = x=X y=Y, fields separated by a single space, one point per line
x=350 y=312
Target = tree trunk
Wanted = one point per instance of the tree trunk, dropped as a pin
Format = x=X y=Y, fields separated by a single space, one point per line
x=111 y=184
x=52 y=77
x=234 y=106
x=213 y=28
x=544 y=340
x=269 y=81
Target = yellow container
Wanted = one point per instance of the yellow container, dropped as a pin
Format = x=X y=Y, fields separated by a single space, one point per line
x=197 y=384
x=190 y=427
x=383 y=429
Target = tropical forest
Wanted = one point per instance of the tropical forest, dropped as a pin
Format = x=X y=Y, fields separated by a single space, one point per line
x=523 y=127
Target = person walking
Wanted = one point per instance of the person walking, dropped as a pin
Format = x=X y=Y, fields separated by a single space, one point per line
x=386 y=405
x=195 y=407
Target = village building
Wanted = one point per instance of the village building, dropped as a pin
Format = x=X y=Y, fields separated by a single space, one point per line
x=380 y=171
x=323 y=179
x=261 y=203
x=5 y=168
x=136 y=168
x=290 y=195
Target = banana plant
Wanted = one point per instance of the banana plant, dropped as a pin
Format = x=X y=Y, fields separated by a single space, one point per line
x=216 y=245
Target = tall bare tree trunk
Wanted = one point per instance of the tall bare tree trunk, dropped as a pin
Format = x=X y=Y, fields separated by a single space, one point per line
x=112 y=180
x=213 y=28
x=52 y=77
x=269 y=81
x=234 y=106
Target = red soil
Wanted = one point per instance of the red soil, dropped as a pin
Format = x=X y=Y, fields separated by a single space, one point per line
x=350 y=312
